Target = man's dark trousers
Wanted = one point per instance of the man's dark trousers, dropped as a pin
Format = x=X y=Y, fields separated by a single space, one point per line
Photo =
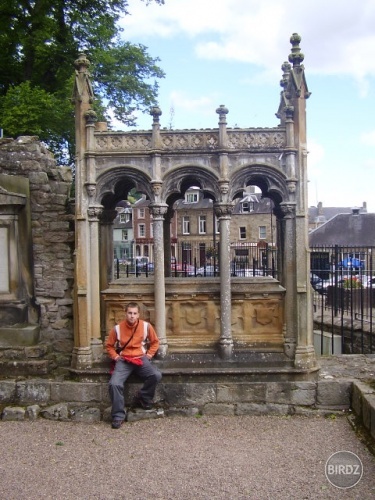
x=148 y=373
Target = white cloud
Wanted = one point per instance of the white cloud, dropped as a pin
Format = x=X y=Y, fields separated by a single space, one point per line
x=368 y=138
x=337 y=36
x=187 y=103
x=185 y=108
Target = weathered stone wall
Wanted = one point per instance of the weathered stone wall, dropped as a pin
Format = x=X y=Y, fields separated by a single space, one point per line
x=343 y=383
x=52 y=233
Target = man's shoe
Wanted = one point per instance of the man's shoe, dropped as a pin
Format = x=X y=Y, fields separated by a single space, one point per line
x=116 y=424
x=138 y=402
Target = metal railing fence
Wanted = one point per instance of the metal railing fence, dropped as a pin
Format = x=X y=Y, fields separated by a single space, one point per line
x=343 y=280
x=197 y=259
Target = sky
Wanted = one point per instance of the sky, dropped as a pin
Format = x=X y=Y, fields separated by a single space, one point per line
x=230 y=52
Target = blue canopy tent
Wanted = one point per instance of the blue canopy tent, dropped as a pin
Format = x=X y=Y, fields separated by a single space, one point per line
x=351 y=263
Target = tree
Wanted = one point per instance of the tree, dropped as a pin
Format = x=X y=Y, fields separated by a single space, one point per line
x=39 y=41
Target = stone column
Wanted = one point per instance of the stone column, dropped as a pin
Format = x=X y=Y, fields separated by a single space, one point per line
x=84 y=117
x=158 y=210
x=223 y=212
x=287 y=226
x=167 y=241
x=94 y=212
x=155 y=112
x=106 y=258
x=305 y=357
x=290 y=151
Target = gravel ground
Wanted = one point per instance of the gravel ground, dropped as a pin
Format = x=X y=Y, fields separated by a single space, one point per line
x=211 y=457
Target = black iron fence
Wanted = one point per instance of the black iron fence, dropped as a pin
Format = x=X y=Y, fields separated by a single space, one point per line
x=202 y=259
x=343 y=280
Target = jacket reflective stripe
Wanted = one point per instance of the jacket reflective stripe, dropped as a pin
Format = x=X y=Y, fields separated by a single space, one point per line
x=145 y=335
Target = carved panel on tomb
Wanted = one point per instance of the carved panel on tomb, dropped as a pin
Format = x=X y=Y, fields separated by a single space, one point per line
x=258 y=322
x=256 y=139
x=192 y=140
x=193 y=314
x=123 y=142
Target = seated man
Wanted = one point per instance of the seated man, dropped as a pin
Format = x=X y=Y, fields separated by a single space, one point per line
x=126 y=346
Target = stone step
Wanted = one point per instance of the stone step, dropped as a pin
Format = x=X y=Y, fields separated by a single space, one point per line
x=21 y=335
x=24 y=368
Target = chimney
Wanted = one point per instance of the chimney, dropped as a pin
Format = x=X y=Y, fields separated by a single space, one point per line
x=320 y=208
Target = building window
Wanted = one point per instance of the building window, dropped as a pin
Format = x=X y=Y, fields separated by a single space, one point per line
x=262 y=232
x=151 y=230
x=186 y=224
x=202 y=224
x=124 y=218
x=217 y=225
x=141 y=213
x=141 y=230
x=242 y=233
x=125 y=235
x=247 y=206
x=191 y=197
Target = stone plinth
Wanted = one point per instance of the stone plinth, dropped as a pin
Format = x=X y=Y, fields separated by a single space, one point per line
x=193 y=312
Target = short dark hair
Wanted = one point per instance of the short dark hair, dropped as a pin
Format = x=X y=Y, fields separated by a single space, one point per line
x=132 y=305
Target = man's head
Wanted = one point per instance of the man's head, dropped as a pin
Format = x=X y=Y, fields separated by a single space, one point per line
x=132 y=312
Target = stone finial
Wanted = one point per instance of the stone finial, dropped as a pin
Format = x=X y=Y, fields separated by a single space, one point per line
x=155 y=112
x=222 y=111
x=81 y=63
x=286 y=67
x=90 y=116
x=289 y=112
x=296 y=57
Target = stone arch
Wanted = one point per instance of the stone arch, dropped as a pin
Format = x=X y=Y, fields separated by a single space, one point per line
x=269 y=179
x=181 y=177
x=113 y=183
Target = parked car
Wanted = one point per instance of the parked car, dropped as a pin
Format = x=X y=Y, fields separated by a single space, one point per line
x=205 y=271
x=348 y=282
x=368 y=281
x=248 y=272
x=181 y=269
x=314 y=278
x=321 y=286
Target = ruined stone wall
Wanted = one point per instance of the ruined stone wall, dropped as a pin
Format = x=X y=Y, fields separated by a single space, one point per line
x=52 y=235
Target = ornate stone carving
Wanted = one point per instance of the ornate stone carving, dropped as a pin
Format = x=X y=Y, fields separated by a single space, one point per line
x=292 y=183
x=296 y=57
x=94 y=212
x=194 y=140
x=158 y=210
x=222 y=111
x=223 y=210
x=156 y=187
x=156 y=113
x=212 y=142
x=116 y=142
x=82 y=79
x=286 y=67
x=289 y=112
x=288 y=210
x=90 y=189
x=224 y=186
x=90 y=116
x=264 y=315
x=255 y=140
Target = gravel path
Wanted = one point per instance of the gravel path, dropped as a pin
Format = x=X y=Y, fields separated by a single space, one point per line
x=211 y=457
